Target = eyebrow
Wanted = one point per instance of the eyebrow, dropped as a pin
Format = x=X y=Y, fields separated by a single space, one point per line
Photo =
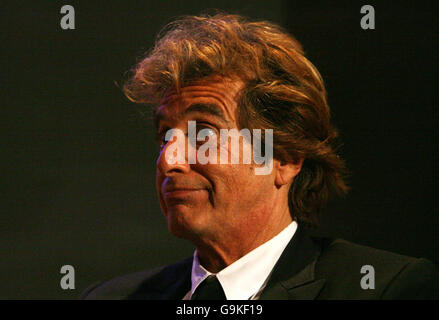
x=206 y=108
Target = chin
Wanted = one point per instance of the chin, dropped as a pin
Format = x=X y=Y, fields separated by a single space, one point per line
x=184 y=223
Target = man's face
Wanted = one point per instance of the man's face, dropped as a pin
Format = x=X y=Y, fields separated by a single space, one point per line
x=209 y=201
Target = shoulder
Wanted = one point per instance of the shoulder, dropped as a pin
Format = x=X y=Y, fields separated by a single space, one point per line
x=124 y=287
x=120 y=287
x=385 y=275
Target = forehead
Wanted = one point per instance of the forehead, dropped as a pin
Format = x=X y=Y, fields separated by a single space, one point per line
x=215 y=92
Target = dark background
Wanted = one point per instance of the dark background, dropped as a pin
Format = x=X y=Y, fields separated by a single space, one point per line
x=78 y=164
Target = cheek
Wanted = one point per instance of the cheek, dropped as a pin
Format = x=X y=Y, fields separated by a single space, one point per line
x=246 y=184
x=232 y=181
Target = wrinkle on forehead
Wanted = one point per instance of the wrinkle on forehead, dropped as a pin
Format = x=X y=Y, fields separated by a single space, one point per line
x=229 y=84
x=224 y=90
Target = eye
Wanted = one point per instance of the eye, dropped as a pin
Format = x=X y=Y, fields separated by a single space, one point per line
x=161 y=138
x=205 y=134
x=162 y=142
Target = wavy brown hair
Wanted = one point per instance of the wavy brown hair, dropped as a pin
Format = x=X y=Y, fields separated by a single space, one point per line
x=283 y=91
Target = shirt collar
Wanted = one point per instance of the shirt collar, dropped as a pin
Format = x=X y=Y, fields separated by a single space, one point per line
x=243 y=278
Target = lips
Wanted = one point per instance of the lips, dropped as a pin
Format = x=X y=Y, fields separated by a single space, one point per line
x=180 y=191
x=183 y=191
x=170 y=185
x=167 y=189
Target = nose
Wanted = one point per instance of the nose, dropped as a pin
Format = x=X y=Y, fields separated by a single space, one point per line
x=173 y=156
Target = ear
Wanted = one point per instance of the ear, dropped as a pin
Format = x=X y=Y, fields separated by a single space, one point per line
x=286 y=172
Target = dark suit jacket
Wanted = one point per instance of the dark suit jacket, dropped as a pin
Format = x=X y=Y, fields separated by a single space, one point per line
x=309 y=268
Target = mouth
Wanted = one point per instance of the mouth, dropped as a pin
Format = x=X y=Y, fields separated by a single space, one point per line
x=184 y=192
x=181 y=193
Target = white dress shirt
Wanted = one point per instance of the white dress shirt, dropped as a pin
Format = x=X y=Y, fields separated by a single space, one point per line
x=245 y=278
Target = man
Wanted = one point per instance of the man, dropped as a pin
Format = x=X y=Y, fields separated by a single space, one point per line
x=220 y=73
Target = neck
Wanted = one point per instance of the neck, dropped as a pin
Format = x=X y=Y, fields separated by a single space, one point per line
x=220 y=252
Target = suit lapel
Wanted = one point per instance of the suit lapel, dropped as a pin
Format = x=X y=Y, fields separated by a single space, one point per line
x=178 y=284
x=171 y=283
x=293 y=277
